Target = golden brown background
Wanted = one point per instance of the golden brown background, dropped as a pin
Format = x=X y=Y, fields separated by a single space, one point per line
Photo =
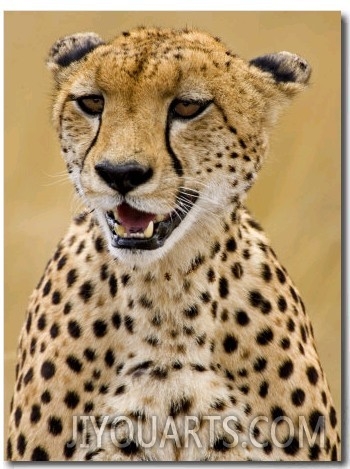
x=296 y=198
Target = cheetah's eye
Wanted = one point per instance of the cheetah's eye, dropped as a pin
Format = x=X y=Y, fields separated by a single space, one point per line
x=92 y=105
x=188 y=109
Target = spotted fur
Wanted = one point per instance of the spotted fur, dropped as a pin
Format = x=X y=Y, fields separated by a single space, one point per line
x=210 y=324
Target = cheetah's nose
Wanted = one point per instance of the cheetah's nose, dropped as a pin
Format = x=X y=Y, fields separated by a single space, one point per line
x=123 y=177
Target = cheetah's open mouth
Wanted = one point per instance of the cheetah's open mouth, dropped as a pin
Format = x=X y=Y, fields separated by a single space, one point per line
x=132 y=229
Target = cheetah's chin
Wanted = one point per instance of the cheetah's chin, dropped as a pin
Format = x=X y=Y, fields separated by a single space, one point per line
x=133 y=229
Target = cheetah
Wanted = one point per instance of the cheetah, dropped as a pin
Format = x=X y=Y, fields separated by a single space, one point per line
x=164 y=328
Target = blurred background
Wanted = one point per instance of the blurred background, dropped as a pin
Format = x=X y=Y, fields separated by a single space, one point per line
x=296 y=198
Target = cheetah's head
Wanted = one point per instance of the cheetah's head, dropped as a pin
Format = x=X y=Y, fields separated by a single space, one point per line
x=163 y=131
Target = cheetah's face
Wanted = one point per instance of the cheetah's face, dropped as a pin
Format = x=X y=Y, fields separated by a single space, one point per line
x=163 y=130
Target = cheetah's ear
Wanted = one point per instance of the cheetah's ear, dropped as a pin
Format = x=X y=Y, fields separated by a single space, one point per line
x=289 y=71
x=71 y=49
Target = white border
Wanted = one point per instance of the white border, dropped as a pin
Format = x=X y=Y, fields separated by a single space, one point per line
x=180 y=5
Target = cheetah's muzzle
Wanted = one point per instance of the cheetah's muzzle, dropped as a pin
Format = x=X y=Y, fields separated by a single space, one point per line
x=132 y=229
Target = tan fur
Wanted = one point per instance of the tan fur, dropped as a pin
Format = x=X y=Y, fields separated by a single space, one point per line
x=210 y=324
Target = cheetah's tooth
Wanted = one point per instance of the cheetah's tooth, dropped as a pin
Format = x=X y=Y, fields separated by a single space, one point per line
x=119 y=230
x=148 y=233
x=160 y=218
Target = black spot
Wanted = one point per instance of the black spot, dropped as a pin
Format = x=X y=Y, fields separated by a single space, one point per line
x=334 y=454
x=42 y=322
x=303 y=333
x=21 y=444
x=286 y=369
x=265 y=307
x=285 y=343
x=104 y=272
x=140 y=367
x=263 y=389
x=39 y=454
x=312 y=374
x=35 y=414
x=99 y=328
x=62 y=262
x=89 y=386
x=277 y=413
x=74 y=329
x=54 y=425
x=246 y=254
x=255 y=298
x=214 y=308
x=211 y=275
x=116 y=320
x=71 y=277
x=237 y=270
x=242 y=318
x=47 y=288
x=266 y=272
x=223 y=287
x=242 y=143
x=159 y=372
x=48 y=369
x=29 y=322
x=333 y=417
x=120 y=390
x=74 y=363
x=177 y=365
x=197 y=262
x=260 y=364
x=88 y=407
x=90 y=354
x=282 y=304
x=215 y=249
x=54 y=331
x=129 y=324
x=69 y=449
x=46 y=397
x=265 y=336
x=291 y=325
x=191 y=312
x=205 y=297
x=221 y=444
x=316 y=421
x=314 y=452
x=67 y=308
x=9 y=450
x=280 y=275
x=218 y=404
x=56 y=297
x=267 y=447
x=294 y=294
x=230 y=343
x=109 y=358
x=125 y=279
x=198 y=367
x=244 y=389
x=113 y=286
x=99 y=244
x=231 y=245
x=145 y=302
x=181 y=406
x=128 y=447
x=224 y=315
x=18 y=416
x=298 y=397
x=28 y=376
x=152 y=340
x=86 y=291
x=290 y=446
x=71 y=399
